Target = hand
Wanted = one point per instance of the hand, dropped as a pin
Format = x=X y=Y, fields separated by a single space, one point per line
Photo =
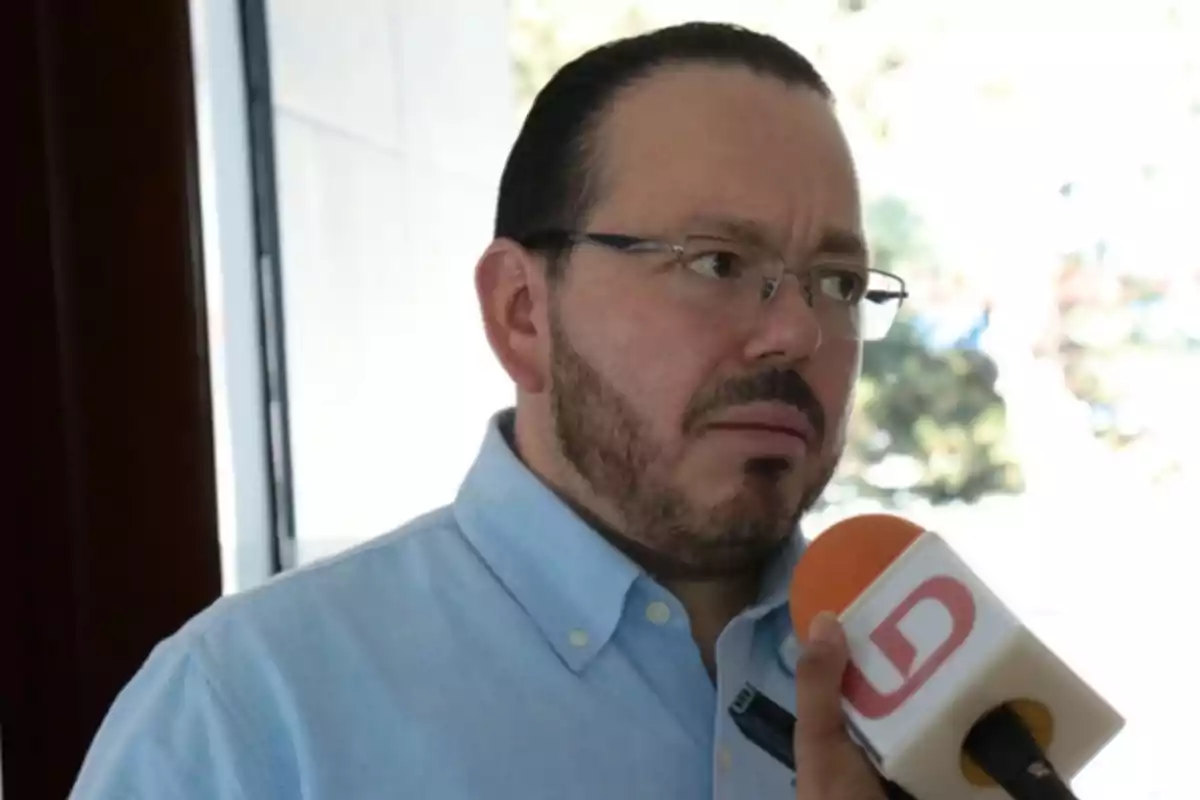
x=829 y=765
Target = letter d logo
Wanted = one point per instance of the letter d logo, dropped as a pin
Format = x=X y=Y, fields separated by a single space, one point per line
x=955 y=598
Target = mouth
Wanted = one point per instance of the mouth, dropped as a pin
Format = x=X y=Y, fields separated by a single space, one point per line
x=766 y=419
x=764 y=427
x=764 y=431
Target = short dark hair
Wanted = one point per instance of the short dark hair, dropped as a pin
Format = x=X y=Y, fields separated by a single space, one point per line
x=546 y=183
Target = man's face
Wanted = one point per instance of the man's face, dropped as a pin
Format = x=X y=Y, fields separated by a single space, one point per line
x=705 y=435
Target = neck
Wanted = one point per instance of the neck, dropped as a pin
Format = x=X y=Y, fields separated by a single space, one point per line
x=711 y=605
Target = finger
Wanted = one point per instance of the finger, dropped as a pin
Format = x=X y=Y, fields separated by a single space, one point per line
x=828 y=762
x=819 y=720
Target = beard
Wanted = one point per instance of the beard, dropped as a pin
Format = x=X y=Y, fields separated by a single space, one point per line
x=619 y=458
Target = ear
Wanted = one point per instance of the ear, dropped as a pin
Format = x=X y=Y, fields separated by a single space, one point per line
x=513 y=296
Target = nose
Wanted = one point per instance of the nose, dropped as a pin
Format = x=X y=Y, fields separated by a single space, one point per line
x=787 y=328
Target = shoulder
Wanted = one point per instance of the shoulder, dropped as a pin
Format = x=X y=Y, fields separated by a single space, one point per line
x=217 y=708
x=403 y=566
x=406 y=571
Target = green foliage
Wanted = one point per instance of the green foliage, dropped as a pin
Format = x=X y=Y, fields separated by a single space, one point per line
x=933 y=414
x=938 y=412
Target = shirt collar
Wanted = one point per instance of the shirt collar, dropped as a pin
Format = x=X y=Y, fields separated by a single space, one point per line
x=777 y=577
x=570 y=581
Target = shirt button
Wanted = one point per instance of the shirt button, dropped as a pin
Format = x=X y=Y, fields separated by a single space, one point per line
x=789 y=653
x=578 y=638
x=724 y=759
x=658 y=612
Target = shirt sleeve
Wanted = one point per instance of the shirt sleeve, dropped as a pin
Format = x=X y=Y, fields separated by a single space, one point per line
x=172 y=733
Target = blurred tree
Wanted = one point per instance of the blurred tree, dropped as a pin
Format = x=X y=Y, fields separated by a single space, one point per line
x=933 y=413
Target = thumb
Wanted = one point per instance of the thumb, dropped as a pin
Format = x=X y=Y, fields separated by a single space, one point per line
x=829 y=765
x=819 y=720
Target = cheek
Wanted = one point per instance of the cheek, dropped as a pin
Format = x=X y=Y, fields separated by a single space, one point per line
x=656 y=358
x=833 y=374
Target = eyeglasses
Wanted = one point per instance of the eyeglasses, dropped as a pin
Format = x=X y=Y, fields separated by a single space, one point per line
x=730 y=279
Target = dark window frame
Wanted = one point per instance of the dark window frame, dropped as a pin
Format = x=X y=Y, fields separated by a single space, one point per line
x=268 y=263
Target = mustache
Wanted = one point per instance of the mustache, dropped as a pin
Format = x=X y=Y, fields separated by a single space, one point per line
x=772 y=386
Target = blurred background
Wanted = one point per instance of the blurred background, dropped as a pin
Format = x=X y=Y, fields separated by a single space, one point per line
x=1031 y=168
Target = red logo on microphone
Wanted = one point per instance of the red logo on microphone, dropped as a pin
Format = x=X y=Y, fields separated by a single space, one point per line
x=956 y=598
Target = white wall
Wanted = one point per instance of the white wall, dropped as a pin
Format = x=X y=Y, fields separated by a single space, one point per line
x=392 y=119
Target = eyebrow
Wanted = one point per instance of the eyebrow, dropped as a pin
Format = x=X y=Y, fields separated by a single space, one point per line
x=831 y=242
x=732 y=227
x=841 y=242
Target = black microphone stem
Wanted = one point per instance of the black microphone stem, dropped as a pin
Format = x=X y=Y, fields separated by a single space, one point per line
x=1005 y=749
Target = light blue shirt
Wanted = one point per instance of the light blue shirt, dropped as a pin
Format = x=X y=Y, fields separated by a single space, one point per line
x=497 y=648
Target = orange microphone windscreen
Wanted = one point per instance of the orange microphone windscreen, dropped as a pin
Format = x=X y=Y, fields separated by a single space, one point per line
x=843 y=561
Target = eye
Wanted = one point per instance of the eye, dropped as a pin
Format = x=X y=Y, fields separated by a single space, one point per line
x=840 y=284
x=716 y=264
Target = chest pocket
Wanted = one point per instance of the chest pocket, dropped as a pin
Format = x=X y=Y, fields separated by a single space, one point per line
x=756 y=773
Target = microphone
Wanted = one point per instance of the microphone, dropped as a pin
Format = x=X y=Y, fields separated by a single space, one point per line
x=948 y=694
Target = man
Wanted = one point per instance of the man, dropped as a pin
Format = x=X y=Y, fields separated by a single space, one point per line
x=678 y=287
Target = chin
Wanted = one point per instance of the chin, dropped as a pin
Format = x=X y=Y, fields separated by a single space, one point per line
x=767 y=476
x=775 y=469
x=768 y=486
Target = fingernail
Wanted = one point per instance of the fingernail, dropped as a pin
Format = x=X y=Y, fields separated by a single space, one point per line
x=824 y=628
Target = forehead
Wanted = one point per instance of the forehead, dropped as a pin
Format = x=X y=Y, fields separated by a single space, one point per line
x=693 y=140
